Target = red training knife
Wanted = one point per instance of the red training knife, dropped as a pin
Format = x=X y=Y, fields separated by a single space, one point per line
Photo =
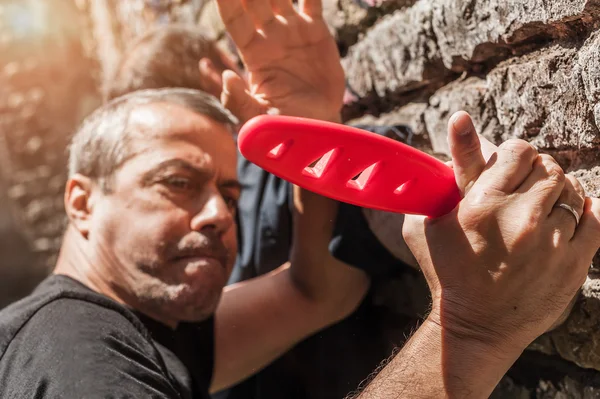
x=350 y=165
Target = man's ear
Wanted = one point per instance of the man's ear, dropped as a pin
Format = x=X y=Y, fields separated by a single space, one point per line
x=79 y=202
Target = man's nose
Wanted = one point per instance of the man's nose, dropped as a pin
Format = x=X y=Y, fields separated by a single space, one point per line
x=214 y=215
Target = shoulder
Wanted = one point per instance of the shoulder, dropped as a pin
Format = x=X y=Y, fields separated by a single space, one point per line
x=74 y=345
x=61 y=309
x=73 y=319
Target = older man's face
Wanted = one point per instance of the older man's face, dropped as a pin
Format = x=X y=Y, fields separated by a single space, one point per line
x=166 y=231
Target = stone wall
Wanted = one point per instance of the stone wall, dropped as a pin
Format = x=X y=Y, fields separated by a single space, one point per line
x=526 y=69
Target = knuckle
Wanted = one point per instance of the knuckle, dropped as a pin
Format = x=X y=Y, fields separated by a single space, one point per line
x=520 y=149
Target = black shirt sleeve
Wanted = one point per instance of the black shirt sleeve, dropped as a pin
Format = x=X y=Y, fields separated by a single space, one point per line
x=354 y=243
x=75 y=349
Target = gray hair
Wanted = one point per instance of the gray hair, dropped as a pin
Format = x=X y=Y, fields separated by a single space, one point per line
x=101 y=143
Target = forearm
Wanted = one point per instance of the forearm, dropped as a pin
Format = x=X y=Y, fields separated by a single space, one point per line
x=313 y=269
x=435 y=364
x=259 y=320
x=253 y=326
x=314 y=218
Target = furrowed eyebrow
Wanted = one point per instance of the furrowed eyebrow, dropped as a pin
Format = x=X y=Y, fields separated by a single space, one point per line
x=150 y=175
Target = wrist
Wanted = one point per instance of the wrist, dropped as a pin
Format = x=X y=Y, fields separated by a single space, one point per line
x=471 y=367
x=473 y=346
x=478 y=327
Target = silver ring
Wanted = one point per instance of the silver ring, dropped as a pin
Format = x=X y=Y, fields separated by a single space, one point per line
x=570 y=209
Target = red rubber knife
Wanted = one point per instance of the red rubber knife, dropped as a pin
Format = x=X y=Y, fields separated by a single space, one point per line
x=350 y=165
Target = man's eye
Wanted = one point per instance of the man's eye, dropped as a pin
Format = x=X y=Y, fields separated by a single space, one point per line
x=180 y=183
x=231 y=203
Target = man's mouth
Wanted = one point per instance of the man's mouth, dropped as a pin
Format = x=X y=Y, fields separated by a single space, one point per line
x=200 y=257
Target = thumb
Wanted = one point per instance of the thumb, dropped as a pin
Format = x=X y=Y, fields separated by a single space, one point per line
x=470 y=151
x=587 y=236
x=210 y=78
x=236 y=98
x=465 y=149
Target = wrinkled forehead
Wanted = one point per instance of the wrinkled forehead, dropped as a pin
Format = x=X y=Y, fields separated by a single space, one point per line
x=163 y=120
x=176 y=131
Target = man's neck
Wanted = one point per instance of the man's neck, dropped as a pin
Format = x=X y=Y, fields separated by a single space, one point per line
x=75 y=261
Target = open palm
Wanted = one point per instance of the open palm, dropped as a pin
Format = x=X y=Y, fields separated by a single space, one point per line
x=292 y=60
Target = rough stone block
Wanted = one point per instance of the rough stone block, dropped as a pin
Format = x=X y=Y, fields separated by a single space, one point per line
x=468 y=95
x=538 y=97
x=578 y=339
x=350 y=19
x=424 y=44
x=397 y=55
x=473 y=31
x=411 y=115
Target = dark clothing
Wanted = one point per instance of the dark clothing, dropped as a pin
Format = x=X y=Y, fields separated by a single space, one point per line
x=264 y=222
x=354 y=243
x=67 y=341
x=333 y=362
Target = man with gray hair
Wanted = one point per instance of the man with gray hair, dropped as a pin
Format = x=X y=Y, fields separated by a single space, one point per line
x=136 y=306
x=151 y=241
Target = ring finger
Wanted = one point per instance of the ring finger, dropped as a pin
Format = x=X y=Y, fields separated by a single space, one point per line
x=568 y=209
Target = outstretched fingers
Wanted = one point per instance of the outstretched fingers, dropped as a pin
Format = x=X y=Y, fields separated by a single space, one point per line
x=238 y=22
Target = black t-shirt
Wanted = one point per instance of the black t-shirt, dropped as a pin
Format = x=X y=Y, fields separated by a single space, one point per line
x=67 y=341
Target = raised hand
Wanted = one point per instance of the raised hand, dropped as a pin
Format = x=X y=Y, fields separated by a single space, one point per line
x=291 y=58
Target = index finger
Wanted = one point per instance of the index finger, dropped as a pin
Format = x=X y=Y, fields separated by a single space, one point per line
x=509 y=168
x=238 y=22
x=586 y=240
